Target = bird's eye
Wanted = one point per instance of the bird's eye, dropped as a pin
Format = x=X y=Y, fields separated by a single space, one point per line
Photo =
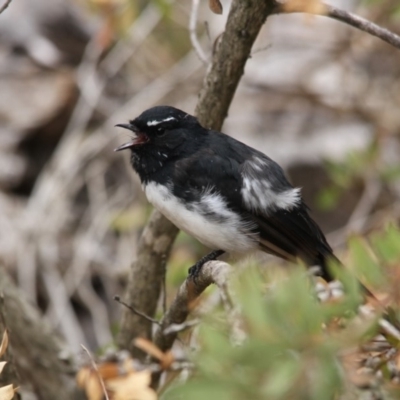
x=160 y=131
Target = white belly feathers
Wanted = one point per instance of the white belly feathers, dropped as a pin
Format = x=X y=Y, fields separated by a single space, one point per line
x=209 y=220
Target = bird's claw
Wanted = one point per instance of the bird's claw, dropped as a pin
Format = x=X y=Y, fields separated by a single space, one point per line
x=194 y=271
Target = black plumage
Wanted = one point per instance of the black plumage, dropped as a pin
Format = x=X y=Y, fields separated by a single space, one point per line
x=214 y=186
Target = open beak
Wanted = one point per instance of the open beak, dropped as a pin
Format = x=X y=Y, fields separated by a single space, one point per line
x=124 y=146
x=141 y=138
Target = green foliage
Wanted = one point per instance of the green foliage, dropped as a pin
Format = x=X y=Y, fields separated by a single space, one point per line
x=353 y=171
x=287 y=352
x=345 y=174
x=129 y=219
x=367 y=266
x=391 y=8
x=164 y=6
x=328 y=197
x=280 y=342
x=387 y=244
x=373 y=260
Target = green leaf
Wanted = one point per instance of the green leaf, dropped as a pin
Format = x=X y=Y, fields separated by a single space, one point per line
x=387 y=243
x=396 y=13
x=391 y=173
x=363 y=262
x=248 y=287
x=201 y=390
x=327 y=380
x=328 y=198
x=281 y=378
x=351 y=286
x=124 y=221
x=339 y=173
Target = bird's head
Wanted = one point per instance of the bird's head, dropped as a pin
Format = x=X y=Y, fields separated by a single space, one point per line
x=161 y=128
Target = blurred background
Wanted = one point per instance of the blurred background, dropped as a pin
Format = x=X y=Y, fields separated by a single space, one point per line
x=319 y=97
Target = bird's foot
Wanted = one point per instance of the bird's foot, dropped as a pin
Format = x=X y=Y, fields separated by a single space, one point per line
x=194 y=270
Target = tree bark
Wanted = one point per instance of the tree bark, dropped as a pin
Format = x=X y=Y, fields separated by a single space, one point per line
x=245 y=20
x=146 y=280
x=38 y=355
x=246 y=17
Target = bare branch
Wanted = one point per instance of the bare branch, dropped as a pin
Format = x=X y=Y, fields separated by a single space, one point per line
x=146 y=280
x=389 y=329
x=137 y=312
x=350 y=19
x=185 y=300
x=38 y=354
x=232 y=51
x=364 y=25
x=372 y=190
x=230 y=56
x=212 y=272
x=103 y=386
x=175 y=328
x=5 y=5
x=193 y=33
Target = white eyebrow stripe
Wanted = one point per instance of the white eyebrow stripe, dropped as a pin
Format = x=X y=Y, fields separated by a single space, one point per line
x=155 y=122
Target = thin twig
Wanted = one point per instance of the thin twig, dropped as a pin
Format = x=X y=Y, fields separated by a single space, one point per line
x=164 y=293
x=175 y=328
x=260 y=49
x=193 y=32
x=98 y=312
x=212 y=272
x=364 y=206
x=386 y=328
x=103 y=386
x=207 y=30
x=47 y=187
x=389 y=329
x=361 y=213
x=338 y=237
x=60 y=311
x=350 y=19
x=137 y=312
x=5 y=5
x=364 y=25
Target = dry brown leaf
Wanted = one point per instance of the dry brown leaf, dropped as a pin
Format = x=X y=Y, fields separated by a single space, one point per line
x=109 y=370
x=356 y=374
x=166 y=359
x=7 y=392
x=4 y=344
x=88 y=380
x=2 y=365
x=215 y=6
x=134 y=386
x=149 y=347
x=307 y=6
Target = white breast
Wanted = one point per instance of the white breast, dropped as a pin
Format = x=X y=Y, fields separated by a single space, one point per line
x=210 y=221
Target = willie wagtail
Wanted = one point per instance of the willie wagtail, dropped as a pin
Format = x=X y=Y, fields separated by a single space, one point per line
x=229 y=196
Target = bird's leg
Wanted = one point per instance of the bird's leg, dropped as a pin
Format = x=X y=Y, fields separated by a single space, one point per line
x=195 y=269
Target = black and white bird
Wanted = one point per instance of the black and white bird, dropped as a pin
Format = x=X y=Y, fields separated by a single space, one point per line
x=229 y=196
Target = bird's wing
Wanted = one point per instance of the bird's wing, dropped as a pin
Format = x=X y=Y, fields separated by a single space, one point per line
x=208 y=172
x=255 y=187
x=285 y=227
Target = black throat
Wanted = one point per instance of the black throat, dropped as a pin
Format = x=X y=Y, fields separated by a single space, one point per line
x=151 y=164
